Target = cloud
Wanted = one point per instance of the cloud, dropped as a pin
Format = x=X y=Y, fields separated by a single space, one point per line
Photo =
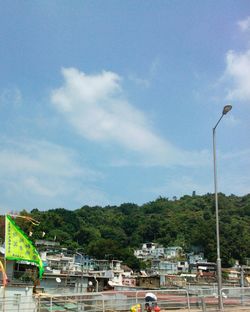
x=233 y=177
x=235 y=182
x=187 y=184
x=42 y=172
x=237 y=73
x=182 y=184
x=10 y=98
x=242 y=155
x=244 y=24
x=232 y=121
x=33 y=183
x=41 y=157
x=233 y=169
x=96 y=108
x=146 y=82
x=139 y=81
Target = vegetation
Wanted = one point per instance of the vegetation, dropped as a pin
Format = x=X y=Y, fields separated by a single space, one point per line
x=115 y=231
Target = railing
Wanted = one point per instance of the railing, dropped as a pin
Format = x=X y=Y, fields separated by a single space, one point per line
x=84 y=302
x=239 y=296
x=112 y=301
x=18 y=304
x=203 y=300
x=233 y=299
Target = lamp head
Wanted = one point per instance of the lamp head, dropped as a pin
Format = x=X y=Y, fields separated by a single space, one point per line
x=226 y=109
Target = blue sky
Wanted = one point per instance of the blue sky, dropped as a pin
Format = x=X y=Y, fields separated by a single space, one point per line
x=106 y=102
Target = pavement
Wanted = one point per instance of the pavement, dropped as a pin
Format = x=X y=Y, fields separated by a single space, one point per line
x=232 y=309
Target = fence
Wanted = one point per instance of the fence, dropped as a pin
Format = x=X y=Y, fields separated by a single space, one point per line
x=203 y=300
x=239 y=296
x=233 y=299
x=112 y=301
x=15 y=299
x=18 y=304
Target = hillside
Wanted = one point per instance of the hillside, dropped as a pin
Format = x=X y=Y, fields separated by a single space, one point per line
x=113 y=231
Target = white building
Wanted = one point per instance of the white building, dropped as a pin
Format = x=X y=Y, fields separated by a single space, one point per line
x=173 y=252
x=149 y=250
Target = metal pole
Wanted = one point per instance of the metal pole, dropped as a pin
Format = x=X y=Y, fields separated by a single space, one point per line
x=242 y=284
x=219 y=279
x=226 y=109
x=81 y=273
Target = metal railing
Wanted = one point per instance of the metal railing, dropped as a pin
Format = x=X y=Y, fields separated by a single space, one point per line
x=112 y=301
x=18 y=304
x=203 y=300
x=238 y=296
x=233 y=299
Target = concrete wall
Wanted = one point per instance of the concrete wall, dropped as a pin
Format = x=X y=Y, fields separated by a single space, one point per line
x=17 y=299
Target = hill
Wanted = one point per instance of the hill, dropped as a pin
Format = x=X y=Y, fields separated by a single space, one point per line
x=114 y=231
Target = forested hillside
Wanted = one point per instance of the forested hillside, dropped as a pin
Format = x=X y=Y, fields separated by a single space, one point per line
x=114 y=231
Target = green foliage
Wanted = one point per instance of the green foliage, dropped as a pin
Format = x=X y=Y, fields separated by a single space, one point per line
x=116 y=230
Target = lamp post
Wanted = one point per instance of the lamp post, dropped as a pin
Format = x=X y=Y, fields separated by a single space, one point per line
x=78 y=253
x=226 y=109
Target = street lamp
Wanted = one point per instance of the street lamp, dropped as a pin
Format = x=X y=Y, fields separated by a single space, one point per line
x=79 y=254
x=226 y=109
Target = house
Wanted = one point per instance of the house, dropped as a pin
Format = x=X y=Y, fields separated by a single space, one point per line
x=42 y=243
x=232 y=275
x=164 y=267
x=59 y=263
x=206 y=270
x=173 y=252
x=84 y=262
x=153 y=250
x=182 y=266
x=158 y=252
x=194 y=258
x=148 y=282
x=106 y=265
x=145 y=251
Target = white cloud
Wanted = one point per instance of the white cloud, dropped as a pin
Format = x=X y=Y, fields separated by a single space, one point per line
x=33 y=183
x=10 y=97
x=243 y=155
x=41 y=157
x=235 y=182
x=244 y=24
x=233 y=177
x=139 y=81
x=238 y=74
x=146 y=82
x=232 y=121
x=40 y=171
x=93 y=196
x=95 y=106
x=234 y=172
x=182 y=185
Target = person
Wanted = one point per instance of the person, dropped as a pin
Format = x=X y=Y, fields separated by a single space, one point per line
x=151 y=302
x=136 y=308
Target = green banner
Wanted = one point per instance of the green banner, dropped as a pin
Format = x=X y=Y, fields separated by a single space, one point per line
x=19 y=247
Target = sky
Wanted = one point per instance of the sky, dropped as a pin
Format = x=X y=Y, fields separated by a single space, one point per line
x=110 y=102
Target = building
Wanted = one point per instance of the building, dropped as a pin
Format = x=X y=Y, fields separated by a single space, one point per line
x=173 y=252
x=194 y=258
x=151 y=250
x=205 y=270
